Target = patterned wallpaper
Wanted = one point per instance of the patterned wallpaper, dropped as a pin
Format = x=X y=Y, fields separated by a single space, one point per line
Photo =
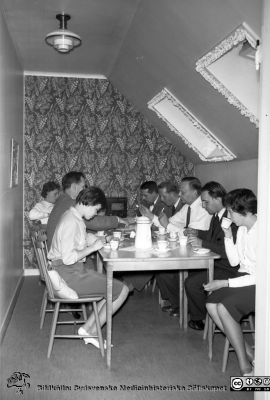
x=87 y=125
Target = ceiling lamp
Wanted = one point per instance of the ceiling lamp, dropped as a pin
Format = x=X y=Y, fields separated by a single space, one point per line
x=63 y=40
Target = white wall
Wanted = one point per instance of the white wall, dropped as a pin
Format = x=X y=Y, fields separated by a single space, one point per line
x=11 y=200
x=232 y=175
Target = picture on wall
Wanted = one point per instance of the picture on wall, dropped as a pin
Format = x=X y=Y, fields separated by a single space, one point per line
x=14 y=163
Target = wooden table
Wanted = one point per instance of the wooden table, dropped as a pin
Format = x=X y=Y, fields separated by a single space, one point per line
x=127 y=258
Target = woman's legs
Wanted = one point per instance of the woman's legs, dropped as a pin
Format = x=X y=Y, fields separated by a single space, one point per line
x=233 y=331
x=90 y=325
x=213 y=312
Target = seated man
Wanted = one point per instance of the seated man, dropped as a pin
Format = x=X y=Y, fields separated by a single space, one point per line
x=41 y=211
x=150 y=198
x=213 y=195
x=191 y=215
x=168 y=202
x=72 y=184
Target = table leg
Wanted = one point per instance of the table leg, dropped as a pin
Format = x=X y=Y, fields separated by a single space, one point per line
x=181 y=305
x=109 y=316
x=185 y=304
x=99 y=264
x=210 y=322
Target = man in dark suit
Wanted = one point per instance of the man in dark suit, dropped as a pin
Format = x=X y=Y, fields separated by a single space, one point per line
x=168 y=202
x=72 y=184
x=151 y=199
x=212 y=196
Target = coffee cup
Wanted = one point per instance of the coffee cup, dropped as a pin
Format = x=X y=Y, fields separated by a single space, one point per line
x=162 y=244
x=183 y=240
x=117 y=235
x=162 y=230
x=114 y=244
x=173 y=235
x=226 y=222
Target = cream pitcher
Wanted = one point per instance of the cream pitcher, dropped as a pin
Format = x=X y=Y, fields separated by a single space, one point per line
x=143 y=238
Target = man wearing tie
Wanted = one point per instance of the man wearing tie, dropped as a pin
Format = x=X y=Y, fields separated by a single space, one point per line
x=150 y=197
x=212 y=196
x=191 y=215
x=150 y=203
x=168 y=204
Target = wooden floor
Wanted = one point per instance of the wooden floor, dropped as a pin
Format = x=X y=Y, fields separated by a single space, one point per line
x=149 y=350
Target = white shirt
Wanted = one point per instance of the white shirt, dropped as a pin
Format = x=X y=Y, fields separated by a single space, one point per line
x=220 y=213
x=243 y=253
x=177 y=202
x=199 y=218
x=69 y=237
x=41 y=211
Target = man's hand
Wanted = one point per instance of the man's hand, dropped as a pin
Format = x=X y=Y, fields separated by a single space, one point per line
x=191 y=232
x=215 y=285
x=131 y=220
x=96 y=245
x=90 y=239
x=163 y=219
x=194 y=241
x=123 y=221
x=146 y=212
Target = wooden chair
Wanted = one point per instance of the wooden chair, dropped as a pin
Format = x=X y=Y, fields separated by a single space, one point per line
x=57 y=302
x=45 y=304
x=209 y=324
x=227 y=348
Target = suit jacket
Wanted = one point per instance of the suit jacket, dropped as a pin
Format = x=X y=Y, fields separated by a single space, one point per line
x=213 y=239
x=63 y=203
x=159 y=206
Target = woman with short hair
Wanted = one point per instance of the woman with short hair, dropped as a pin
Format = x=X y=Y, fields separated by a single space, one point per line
x=70 y=245
x=234 y=298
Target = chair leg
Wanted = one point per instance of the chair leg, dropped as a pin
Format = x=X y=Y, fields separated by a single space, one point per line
x=154 y=285
x=100 y=338
x=84 y=312
x=252 y=325
x=205 y=331
x=225 y=354
x=44 y=298
x=53 y=328
x=43 y=308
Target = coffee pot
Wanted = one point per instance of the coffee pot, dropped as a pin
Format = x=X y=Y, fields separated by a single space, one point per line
x=143 y=238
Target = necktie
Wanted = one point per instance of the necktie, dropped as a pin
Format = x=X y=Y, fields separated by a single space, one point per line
x=215 y=224
x=188 y=217
x=173 y=210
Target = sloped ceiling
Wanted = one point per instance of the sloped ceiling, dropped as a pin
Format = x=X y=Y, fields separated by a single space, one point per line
x=143 y=46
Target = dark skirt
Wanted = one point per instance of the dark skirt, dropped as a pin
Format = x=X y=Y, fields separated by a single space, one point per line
x=87 y=282
x=239 y=301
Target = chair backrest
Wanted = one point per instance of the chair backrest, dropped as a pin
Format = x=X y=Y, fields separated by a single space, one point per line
x=40 y=246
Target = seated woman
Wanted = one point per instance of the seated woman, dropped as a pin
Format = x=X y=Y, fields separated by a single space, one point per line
x=234 y=298
x=70 y=245
x=42 y=210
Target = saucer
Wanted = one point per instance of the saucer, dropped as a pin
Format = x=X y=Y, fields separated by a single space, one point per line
x=172 y=239
x=161 y=250
x=201 y=250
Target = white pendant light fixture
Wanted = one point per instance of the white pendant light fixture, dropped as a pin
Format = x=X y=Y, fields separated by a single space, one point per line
x=63 y=40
